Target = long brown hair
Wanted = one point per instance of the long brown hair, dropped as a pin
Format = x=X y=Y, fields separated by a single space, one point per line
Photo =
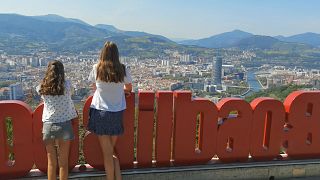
x=53 y=82
x=109 y=68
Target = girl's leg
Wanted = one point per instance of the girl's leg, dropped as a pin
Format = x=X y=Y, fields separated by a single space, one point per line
x=52 y=159
x=107 y=151
x=115 y=159
x=64 y=147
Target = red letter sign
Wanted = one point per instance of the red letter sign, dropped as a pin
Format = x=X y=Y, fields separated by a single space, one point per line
x=268 y=121
x=39 y=150
x=21 y=116
x=234 y=132
x=186 y=114
x=304 y=118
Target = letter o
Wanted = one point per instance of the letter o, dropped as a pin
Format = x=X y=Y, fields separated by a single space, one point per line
x=39 y=150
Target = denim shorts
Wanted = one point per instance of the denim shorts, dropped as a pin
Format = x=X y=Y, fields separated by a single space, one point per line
x=61 y=130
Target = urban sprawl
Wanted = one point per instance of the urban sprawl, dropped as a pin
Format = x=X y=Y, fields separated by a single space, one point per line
x=220 y=76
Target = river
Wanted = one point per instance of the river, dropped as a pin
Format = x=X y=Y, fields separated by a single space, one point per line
x=253 y=83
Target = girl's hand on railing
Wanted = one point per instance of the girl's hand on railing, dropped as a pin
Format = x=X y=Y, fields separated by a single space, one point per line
x=93 y=87
x=127 y=94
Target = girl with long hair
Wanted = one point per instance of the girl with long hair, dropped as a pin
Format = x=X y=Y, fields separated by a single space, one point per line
x=111 y=81
x=57 y=114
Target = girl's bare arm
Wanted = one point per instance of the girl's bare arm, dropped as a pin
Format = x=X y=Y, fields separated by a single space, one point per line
x=127 y=89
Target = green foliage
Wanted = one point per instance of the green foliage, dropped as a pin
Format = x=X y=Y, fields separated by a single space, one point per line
x=279 y=93
x=9 y=132
x=204 y=93
x=236 y=91
x=263 y=80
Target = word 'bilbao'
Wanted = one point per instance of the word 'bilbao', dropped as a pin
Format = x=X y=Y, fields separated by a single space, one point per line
x=231 y=129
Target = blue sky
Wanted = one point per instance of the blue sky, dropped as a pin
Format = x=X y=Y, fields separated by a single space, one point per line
x=183 y=18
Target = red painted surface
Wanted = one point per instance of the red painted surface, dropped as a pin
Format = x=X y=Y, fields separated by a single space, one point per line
x=304 y=119
x=39 y=150
x=267 y=128
x=164 y=124
x=145 y=129
x=21 y=116
x=125 y=144
x=257 y=129
x=184 y=144
x=234 y=133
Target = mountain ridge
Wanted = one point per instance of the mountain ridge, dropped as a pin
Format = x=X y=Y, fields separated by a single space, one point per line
x=222 y=40
x=18 y=32
x=232 y=38
x=57 y=33
x=306 y=38
x=57 y=18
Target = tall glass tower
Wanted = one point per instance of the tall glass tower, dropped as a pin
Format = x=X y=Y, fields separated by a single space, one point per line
x=217 y=70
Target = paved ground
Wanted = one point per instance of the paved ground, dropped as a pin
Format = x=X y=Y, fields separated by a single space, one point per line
x=304 y=178
x=235 y=171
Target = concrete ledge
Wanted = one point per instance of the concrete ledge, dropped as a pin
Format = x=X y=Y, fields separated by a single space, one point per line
x=282 y=169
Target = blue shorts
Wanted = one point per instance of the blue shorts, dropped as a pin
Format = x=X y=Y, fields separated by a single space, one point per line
x=105 y=122
x=61 y=130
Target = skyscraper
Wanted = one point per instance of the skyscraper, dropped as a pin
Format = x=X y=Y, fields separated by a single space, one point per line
x=43 y=62
x=34 y=62
x=16 y=92
x=217 y=70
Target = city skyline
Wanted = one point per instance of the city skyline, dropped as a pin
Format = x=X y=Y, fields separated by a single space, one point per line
x=191 y=20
